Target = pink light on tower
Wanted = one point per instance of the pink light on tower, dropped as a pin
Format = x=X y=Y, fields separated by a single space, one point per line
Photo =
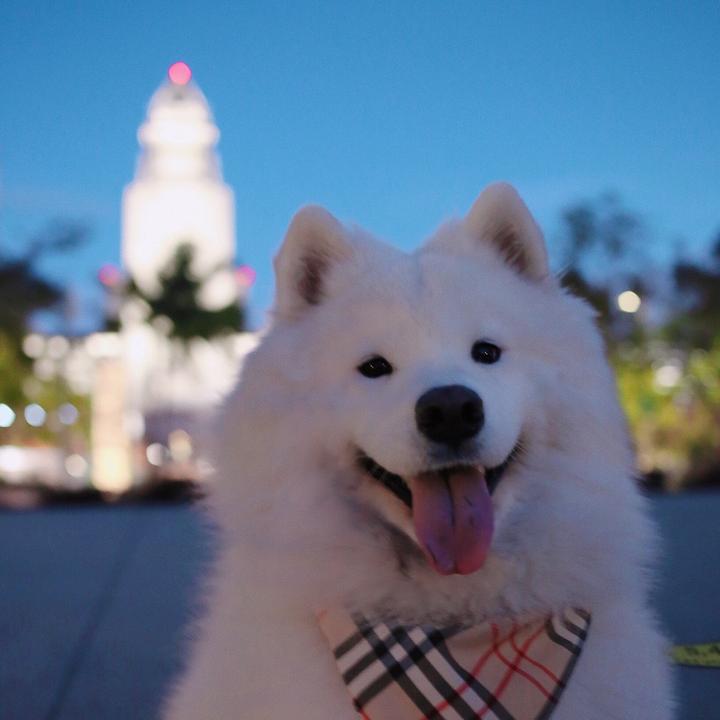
x=179 y=73
x=244 y=276
x=109 y=275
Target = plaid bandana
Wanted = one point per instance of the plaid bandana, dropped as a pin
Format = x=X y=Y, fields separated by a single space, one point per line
x=500 y=670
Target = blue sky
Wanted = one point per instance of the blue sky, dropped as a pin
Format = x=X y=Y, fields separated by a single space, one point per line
x=392 y=114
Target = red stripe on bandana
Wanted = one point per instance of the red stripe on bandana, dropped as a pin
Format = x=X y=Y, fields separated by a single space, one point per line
x=538 y=665
x=402 y=672
x=514 y=666
x=462 y=688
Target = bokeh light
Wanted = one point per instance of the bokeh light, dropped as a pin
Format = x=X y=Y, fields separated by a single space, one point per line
x=57 y=347
x=110 y=275
x=629 y=301
x=67 y=414
x=179 y=73
x=76 y=466
x=7 y=415
x=33 y=345
x=35 y=415
x=245 y=276
x=155 y=454
x=667 y=376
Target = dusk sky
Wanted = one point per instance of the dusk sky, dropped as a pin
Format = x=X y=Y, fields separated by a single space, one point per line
x=392 y=114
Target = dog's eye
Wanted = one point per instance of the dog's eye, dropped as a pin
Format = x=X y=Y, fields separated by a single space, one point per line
x=375 y=367
x=485 y=352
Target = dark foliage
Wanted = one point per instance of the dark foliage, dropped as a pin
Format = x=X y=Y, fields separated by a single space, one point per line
x=23 y=291
x=178 y=301
x=698 y=321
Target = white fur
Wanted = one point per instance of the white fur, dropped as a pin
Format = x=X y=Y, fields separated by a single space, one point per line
x=303 y=529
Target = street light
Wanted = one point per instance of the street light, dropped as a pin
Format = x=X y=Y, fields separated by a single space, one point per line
x=629 y=301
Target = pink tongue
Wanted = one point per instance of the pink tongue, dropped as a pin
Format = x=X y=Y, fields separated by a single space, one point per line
x=453 y=519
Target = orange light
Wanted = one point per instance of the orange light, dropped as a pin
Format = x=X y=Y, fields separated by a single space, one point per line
x=179 y=73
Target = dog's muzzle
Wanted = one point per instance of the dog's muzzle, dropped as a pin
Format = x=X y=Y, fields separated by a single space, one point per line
x=451 y=509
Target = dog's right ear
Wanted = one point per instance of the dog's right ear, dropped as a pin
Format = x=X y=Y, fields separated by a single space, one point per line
x=501 y=219
x=314 y=243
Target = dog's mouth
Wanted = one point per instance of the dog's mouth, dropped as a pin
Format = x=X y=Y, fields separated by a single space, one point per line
x=398 y=487
x=451 y=509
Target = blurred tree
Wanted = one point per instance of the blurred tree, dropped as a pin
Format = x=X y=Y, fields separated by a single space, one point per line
x=601 y=253
x=669 y=373
x=673 y=406
x=23 y=291
x=697 y=322
x=602 y=228
x=178 y=301
x=13 y=368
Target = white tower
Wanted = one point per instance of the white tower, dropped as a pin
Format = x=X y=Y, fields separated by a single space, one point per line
x=178 y=194
x=178 y=197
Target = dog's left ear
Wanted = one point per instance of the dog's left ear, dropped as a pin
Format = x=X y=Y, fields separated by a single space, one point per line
x=315 y=242
x=500 y=218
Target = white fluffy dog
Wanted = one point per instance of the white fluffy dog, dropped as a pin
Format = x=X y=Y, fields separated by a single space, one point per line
x=390 y=387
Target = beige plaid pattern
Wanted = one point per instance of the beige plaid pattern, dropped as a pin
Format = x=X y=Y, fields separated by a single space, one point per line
x=499 y=670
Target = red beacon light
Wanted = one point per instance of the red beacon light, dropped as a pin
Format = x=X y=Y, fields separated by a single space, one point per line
x=179 y=73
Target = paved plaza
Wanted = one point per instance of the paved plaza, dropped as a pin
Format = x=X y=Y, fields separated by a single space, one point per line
x=94 y=603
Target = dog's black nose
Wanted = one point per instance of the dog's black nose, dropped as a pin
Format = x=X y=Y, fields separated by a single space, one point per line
x=449 y=414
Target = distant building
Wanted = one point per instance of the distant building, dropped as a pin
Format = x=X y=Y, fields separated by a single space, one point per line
x=178 y=194
x=150 y=391
x=178 y=198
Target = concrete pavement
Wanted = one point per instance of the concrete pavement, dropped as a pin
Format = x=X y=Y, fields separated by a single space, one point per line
x=95 y=601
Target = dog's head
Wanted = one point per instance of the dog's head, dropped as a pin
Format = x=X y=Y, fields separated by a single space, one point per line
x=426 y=376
